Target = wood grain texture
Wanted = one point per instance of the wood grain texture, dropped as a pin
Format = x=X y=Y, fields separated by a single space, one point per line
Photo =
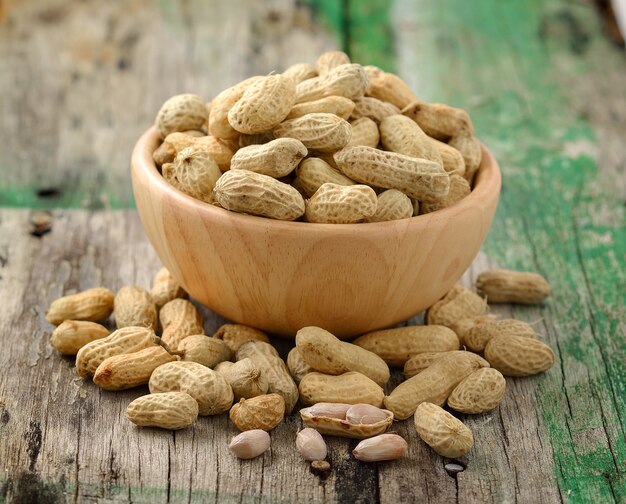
x=63 y=439
x=544 y=94
x=82 y=80
x=282 y=276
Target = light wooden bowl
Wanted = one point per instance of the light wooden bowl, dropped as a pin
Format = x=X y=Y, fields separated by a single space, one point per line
x=281 y=276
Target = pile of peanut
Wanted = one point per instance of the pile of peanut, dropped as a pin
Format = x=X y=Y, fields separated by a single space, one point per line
x=459 y=358
x=332 y=143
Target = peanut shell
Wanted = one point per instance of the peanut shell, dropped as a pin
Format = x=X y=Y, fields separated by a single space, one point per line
x=248 y=192
x=133 y=306
x=479 y=392
x=261 y=412
x=396 y=346
x=444 y=433
x=93 y=305
x=171 y=410
x=208 y=388
x=434 y=384
x=349 y=388
x=506 y=286
x=518 y=355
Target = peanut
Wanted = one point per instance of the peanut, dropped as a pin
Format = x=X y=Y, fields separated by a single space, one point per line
x=364 y=132
x=248 y=192
x=193 y=172
x=339 y=204
x=477 y=337
x=400 y=134
x=257 y=139
x=365 y=414
x=310 y=444
x=421 y=361
x=471 y=151
x=318 y=131
x=445 y=434
x=330 y=419
x=479 y=392
x=396 y=346
x=337 y=105
x=250 y=444
x=125 y=371
x=277 y=158
x=418 y=178
x=451 y=159
x=235 y=335
x=459 y=189
x=165 y=288
x=208 y=388
x=179 y=319
x=314 y=172
x=392 y=205
x=346 y=80
x=518 y=355
x=328 y=410
x=261 y=412
x=300 y=72
x=69 y=337
x=92 y=305
x=275 y=371
x=327 y=354
x=389 y=87
x=251 y=348
x=351 y=388
x=381 y=447
x=506 y=286
x=171 y=410
x=180 y=113
x=133 y=306
x=220 y=107
x=329 y=60
x=219 y=150
x=263 y=105
x=439 y=121
x=297 y=367
x=458 y=304
x=462 y=327
x=244 y=377
x=172 y=145
x=373 y=109
x=204 y=350
x=434 y=384
x=123 y=341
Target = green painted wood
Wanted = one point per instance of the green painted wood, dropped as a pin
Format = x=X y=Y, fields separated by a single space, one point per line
x=546 y=93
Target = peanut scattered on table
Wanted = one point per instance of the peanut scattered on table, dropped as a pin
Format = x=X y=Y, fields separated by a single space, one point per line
x=320 y=130
x=268 y=124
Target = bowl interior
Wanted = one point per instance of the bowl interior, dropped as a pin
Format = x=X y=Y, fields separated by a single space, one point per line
x=281 y=276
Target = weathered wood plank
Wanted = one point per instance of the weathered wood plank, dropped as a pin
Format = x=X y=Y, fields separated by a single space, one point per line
x=544 y=90
x=81 y=81
x=63 y=437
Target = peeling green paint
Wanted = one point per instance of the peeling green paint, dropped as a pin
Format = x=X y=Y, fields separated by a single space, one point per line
x=556 y=215
x=362 y=29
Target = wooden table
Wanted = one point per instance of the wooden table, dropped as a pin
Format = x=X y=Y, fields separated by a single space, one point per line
x=80 y=81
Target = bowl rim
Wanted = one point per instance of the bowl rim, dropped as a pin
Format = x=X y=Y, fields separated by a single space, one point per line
x=487 y=183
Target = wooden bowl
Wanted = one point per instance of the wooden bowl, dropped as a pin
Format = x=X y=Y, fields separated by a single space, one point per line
x=282 y=276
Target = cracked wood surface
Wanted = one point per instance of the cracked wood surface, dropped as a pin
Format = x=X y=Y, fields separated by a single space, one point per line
x=64 y=439
x=80 y=81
